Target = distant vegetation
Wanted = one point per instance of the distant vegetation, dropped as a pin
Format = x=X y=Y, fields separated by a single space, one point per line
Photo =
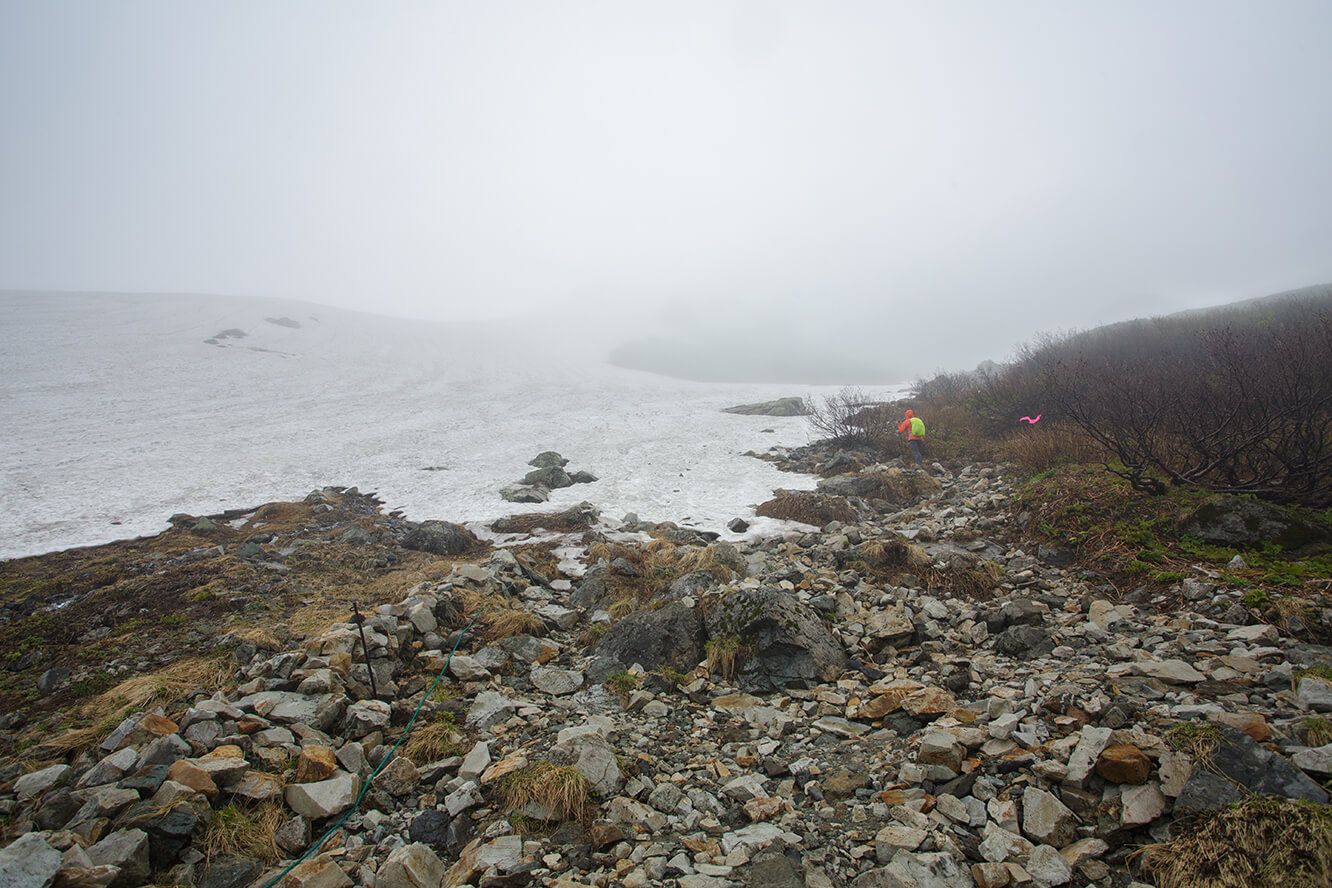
x=1236 y=400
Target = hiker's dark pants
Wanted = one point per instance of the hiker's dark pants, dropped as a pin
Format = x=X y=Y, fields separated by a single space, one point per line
x=915 y=449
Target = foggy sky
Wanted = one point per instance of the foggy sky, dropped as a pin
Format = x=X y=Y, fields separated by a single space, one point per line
x=960 y=172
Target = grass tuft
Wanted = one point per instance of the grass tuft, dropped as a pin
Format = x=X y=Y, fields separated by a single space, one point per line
x=1196 y=739
x=556 y=792
x=436 y=740
x=1257 y=843
x=725 y=656
x=244 y=831
x=1314 y=730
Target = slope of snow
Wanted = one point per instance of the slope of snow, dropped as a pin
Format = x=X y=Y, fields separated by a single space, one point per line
x=115 y=413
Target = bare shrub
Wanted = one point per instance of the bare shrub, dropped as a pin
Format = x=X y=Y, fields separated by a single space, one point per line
x=1234 y=402
x=851 y=417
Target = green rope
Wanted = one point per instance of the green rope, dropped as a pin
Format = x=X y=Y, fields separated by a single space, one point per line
x=388 y=758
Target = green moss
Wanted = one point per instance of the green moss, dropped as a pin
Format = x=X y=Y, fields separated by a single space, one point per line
x=1256 y=598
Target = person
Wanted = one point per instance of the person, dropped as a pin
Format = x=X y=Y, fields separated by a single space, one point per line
x=916 y=426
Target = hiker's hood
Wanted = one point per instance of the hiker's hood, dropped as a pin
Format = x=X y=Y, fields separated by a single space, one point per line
x=909 y=414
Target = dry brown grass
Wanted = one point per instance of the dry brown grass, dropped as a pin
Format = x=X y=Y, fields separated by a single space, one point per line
x=1195 y=739
x=973 y=583
x=166 y=686
x=511 y=621
x=1257 y=843
x=660 y=546
x=558 y=791
x=808 y=508
x=1051 y=444
x=599 y=552
x=436 y=740
x=725 y=656
x=568 y=521
x=705 y=558
x=261 y=638
x=244 y=831
x=277 y=517
x=497 y=615
x=1314 y=730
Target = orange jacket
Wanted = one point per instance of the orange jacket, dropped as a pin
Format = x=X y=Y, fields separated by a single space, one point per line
x=916 y=425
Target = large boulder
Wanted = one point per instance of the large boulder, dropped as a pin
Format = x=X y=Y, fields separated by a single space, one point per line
x=592 y=594
x=31 y=863
x=672 y=636
x=1241 y=523
x=552 y=477
x=1239 y=766
x=439 y=538
x=548 y=459
x=788 y=644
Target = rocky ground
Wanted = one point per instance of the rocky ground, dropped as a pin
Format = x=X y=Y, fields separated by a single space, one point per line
x=911 y=695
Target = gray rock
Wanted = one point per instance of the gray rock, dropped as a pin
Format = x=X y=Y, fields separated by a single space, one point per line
x=227 y=871
x=1314 y=693
x=126 y=849
x=1046 y=819
x=558 y=617
x=1317 y=762
x=294 y=835
x=770 y=869
x=554 y=681
x=466 y=796
x=1024 y=641
x=1239 y=763
x=28 y=862
x=672 y=636
x=779 y=407
x=1091 y=744
x=323 y=798
x=790 y=646
x=411 y=866
x=439 y=538
x=934 y=869
x=490 y=708
x=547 y=459
x=593 y=757
x=365 y=716
x=51 y=679
x=29 y=786
x=1047 y=868
x=592 y=594
x=430 y=827
x=289 y=708
x=56 y=809
x=889 y=626
x=111 y=768
x=1241 y=523
x=475 y=762
x=525 y=493
x=1169 y=671
x=553 y=477
x=465 y=668
x=693 y=585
